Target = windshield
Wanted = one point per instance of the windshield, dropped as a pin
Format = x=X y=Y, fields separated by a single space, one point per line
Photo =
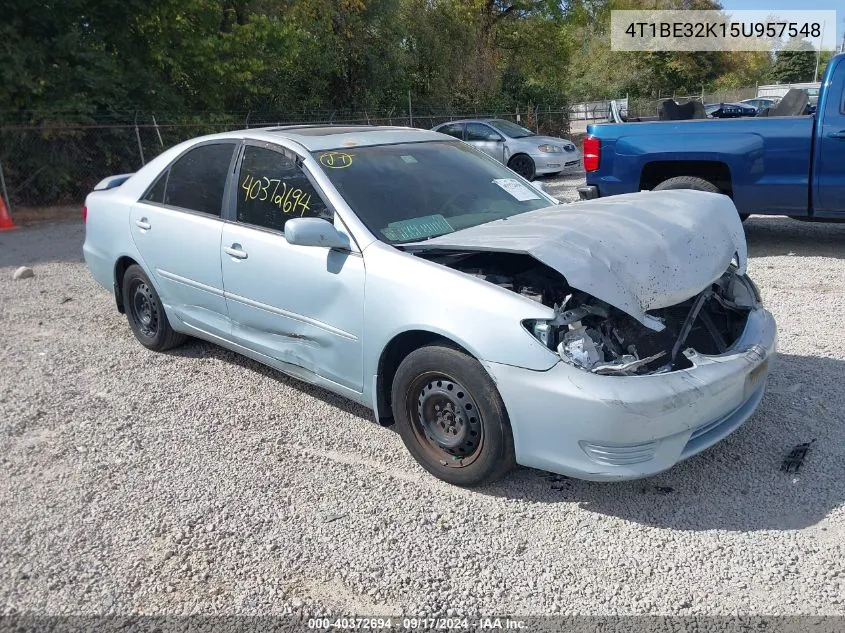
x=511 y=129
x=414 y=191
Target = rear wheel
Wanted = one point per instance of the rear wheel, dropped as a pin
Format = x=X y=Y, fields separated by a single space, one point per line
x=145 y=312
x=687 y=182
x=692 y=182
x=523 y=165
x=451 y=418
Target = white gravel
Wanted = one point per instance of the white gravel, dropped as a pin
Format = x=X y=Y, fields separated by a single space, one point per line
x=201 y=482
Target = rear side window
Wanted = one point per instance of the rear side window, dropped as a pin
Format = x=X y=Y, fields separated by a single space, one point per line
x=453 y=129
x=272 y=188
x=156 y=192
x=196 y=180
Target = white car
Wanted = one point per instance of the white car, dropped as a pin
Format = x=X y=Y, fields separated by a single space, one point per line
x=407 y=271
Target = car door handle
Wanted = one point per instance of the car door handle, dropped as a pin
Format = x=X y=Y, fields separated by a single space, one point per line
x=840 y=135
x=235 y=251
x=143 y=224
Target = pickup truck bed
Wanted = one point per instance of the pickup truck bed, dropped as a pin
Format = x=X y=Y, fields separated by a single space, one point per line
x=774 y=165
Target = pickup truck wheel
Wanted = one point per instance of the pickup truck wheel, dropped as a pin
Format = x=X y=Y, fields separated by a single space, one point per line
x=687 y=182
x=523 y=165
x=451 y=418
x=145 y=313
x=692 y=182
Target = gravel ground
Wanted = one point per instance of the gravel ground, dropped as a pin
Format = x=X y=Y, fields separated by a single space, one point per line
x=201 y=482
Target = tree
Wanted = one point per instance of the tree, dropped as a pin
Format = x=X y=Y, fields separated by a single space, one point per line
x=795 y=62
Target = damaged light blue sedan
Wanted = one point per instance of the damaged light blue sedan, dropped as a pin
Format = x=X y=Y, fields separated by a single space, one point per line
x=606 y=340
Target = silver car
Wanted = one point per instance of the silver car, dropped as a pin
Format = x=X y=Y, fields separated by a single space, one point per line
x=407 y=271
x=525 y=152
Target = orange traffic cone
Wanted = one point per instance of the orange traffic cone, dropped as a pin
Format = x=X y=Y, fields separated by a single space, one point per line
x=6 y=223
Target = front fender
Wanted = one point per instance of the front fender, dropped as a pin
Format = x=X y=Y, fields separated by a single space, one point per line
x=405 y=292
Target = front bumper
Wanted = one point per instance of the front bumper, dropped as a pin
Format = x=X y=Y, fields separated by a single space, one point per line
x=565 y=162
x=569 y=421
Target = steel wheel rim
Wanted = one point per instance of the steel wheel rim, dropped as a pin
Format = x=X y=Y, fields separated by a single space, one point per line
x=445 y=419
x=144 y=309
x=522 y=166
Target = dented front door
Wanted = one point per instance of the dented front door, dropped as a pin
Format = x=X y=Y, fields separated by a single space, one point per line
x=300 y=305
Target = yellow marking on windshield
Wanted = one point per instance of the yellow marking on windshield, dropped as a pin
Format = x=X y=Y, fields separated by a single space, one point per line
x=336 y=160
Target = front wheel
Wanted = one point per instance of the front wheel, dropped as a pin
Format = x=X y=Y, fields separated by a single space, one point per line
x=145 y=312
x=523 y=165
x=451 y=418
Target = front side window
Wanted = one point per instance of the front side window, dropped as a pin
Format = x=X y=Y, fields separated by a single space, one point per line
x=196 y=180
x=407 y=192
x=272 y=188
x=481 y=132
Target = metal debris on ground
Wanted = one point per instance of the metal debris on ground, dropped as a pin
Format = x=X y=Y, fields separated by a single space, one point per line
x=795 y=459
x=661 y=490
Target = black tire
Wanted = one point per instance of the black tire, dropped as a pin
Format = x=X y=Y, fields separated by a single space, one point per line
x=687 y=182
x=145 y=313
x=692 y=182
x=451 y=417
x=522 y=164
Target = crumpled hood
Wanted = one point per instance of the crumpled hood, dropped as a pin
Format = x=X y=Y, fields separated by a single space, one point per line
x=637 y=252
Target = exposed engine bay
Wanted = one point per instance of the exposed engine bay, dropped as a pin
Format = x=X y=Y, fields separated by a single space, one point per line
x=597 y=337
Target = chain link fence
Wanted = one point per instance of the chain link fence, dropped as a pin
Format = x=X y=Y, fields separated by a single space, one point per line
x=58 y=163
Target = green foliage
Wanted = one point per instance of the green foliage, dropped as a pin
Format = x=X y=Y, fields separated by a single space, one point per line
x=795 y=63
x=215 y=62
x=94 y=59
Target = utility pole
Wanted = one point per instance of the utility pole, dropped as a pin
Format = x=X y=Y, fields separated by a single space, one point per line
x=819 y=54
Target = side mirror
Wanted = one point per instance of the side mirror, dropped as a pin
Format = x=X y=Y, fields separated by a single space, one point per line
x=314 y=232
x=494 y=137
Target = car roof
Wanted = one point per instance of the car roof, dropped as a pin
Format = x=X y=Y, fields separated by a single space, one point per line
x=485 y=120
x=315 y=138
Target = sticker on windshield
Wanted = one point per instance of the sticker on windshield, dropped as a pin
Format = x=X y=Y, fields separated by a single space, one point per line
x=417 y=228
x=516 y=189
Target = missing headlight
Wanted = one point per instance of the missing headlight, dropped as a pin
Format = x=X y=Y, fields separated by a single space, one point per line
x=596 y=337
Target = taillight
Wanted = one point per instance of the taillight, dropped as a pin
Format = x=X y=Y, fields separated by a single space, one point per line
x=592 y=153
x=84 y=214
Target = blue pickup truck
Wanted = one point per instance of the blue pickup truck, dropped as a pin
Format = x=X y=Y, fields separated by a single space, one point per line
x=777 y=165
